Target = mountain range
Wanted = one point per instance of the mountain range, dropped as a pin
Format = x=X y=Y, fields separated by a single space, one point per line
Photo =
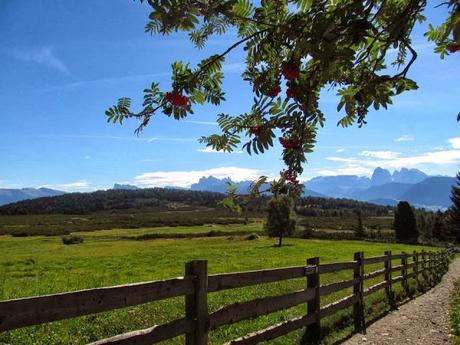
x=13 y=195
x=383 y=188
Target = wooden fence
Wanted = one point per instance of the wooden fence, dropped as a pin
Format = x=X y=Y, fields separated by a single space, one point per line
x=196 y=284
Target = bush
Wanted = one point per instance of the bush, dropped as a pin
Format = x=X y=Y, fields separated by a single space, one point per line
x=252 y=237
x=73 y=239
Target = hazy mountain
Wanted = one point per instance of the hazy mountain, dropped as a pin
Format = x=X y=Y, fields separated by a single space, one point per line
x=381 y=176
x=409 y=176
x=338 y=186
x=117 y=186
x=13 y=195
x=213 y=184
x=433 y=191
x=384 y=188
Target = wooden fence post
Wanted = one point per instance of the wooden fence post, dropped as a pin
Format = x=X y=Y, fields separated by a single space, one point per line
x=425 y=276
x=404 y=272
x=313 y=332
x=415 y=270
x=358 y=307
x=196 y=305
x=388 y=275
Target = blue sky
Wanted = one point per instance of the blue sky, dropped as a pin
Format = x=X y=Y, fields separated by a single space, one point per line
x=62 y=63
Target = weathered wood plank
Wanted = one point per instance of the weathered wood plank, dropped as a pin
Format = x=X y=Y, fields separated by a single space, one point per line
x=241 y=279
x=337 y=266
x=396 y=279
x=396 y=256
x=150 y=335
x=274 y=331
x=333 y=307
x=396 y=268
x=374 y=274
x=37 y=310
x=334 y=287
x=261 y=306
x=375 y=288
x=374 y=260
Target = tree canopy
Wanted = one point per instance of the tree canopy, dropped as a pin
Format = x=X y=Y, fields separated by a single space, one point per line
x=294 y=50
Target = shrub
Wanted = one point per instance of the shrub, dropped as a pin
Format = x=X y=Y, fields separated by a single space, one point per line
x=73 y=239
x=252 y=237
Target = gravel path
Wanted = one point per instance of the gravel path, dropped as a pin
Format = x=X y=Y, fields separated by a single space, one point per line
x=422 y=321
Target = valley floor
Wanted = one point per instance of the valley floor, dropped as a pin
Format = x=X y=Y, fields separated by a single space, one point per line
x=43 y=265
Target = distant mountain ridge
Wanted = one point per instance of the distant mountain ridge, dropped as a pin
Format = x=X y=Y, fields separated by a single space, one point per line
x=14 y=195
x=385 y=188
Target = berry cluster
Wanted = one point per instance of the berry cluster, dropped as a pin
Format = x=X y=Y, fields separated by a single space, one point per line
x=273 y=92
x=288 y=144
x=453 y=47
x=290 y=176
x=255 y=130
x=290 y=71
x=177 y=99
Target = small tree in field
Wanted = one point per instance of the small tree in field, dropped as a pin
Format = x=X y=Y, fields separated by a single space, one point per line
x=454 y=211
x=359 y=229
x=279 y=221
x=405 y=224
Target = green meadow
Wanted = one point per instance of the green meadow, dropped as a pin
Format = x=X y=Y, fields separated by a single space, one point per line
x=40 y=265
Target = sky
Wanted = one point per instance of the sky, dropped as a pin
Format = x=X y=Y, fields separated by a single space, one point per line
x=63 y=63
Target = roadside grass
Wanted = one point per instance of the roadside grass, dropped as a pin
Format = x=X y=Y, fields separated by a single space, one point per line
x=41 y=265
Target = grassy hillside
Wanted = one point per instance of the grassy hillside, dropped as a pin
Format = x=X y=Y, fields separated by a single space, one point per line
x=41 y=265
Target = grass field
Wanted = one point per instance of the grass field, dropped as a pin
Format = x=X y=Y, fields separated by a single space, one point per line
x=41 y=265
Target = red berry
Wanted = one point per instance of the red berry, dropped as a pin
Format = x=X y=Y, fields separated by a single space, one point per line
x=290 y=71
x=290 y=93
x=254 y=130
x=274 y=91
x=288 y=144
x=453 y=47
x=177 y=99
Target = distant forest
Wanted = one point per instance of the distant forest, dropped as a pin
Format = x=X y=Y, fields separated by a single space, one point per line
x=163 y=198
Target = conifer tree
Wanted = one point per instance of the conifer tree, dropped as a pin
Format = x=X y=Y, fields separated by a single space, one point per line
x=454 y=211
x=405 y=224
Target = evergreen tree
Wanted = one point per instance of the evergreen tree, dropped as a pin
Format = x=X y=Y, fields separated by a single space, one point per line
x=440 y=231
x=454 y=211
x=359 y=229
x=279 y=218
x=405 y=224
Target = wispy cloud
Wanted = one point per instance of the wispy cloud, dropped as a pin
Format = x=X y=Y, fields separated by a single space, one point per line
x=205 y=123
x=77 y=186
x=405 y=137
x=396 y=160
x=340 y=150
x=186 y=178
x=380 y=154
x=120 y=79
x=211 y=150
x=44 y=56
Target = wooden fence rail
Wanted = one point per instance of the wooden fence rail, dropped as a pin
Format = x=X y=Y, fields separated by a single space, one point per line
x=197 y=284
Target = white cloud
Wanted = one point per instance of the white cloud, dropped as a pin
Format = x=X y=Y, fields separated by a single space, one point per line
x=455 y=143
x=44 y=56
x=395 y=160
x=405 y=137
x=77 y=186
x=351 y=169
x=186 y=178
x=211 y=150
x=340 y=150
x=380 y=154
